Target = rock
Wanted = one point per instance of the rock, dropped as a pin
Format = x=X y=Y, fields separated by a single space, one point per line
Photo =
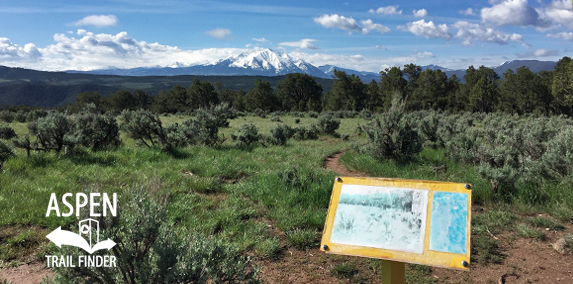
x=560 y=246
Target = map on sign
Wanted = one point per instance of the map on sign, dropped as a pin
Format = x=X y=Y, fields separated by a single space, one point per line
x=422 y=222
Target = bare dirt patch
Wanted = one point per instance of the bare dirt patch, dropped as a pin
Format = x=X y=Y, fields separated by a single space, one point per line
x=32 y=273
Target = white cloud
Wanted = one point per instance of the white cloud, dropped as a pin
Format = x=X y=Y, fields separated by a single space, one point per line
x=420 y=13
x=350 y=24
x=564 y=35
x=98 y=21
x=389 y=10
x=514 y=13
x=381 y=47
x=469 y=33
x=11 y=52
x=539 y=53
x=91 y=51
x=371 y=26
x=560 y=12
x=261 y=40
x=427 y=29
x=219 y=33
x=303 y=43
x=340 y=22
x=467 y=12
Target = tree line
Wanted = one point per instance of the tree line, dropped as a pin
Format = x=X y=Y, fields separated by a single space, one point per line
x=483 y=90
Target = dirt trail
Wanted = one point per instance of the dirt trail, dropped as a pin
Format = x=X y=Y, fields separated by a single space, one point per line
x=32 y=273
x=332 y=163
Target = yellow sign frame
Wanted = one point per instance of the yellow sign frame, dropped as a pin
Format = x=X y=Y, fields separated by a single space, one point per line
x=428 y=257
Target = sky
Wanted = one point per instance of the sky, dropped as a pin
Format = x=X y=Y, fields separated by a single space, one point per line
x=59 y=35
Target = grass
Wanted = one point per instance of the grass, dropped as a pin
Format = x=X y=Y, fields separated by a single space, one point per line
x=237 y=195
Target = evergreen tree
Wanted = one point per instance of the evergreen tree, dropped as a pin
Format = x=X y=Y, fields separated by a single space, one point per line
x=348 y=93
x=202 y=94
x=261 y=96
x=391 y=81
x=299 y=92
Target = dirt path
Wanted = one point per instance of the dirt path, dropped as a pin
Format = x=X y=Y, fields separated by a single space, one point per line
x=32 y=273
x=527 y=260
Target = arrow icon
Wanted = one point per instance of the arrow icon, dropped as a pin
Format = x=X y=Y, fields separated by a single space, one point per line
x=62 y=237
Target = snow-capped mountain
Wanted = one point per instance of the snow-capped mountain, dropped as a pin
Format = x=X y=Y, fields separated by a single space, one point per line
x=364 y=76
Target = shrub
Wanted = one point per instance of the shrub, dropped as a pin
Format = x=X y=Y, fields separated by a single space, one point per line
x=6 y=153
x=36 y=114
x=365 y=114
x=559 y=156
x=278 y=135
x=328 y=124
x=313 y=114
x=303 y=133
x=429 y=129
x=297 y=114
x=7 y=132
x=6 y=116
x=275 y=119
x=53 y=131
x=393 y=137
x=246 y=135
x=96 y=131
x=203 y=130
x=260 y=113
x=144 y=127
x=297 y=120
x=20 y=116
x=222 y=113
x=148 y=249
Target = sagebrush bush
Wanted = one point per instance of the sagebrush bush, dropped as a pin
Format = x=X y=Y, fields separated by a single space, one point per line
x=222 y=113
x=246 y=135
x=313 y=114
x=559 y=155
x=53 y=132
x=6 y=116
x=393 y=137
x=365 y=114
x=303 y=133
x=6 y=153
x=278 y=135
x=149 y=250
x=297 y=120
x=203 y=130
x=7 y=132
x=429 y=126
x=36 y=114
x=297 y=113
x=328 y=124
x=144 y=127
x=275 y=119
x=260 y=113
x=20 y=116
x=96 y=131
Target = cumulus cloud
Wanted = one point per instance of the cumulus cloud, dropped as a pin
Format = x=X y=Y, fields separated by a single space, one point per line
x=514 y=13
x=11 y=52
x=469 y=33
x=350 y=24
x=389 y=10
x=98 y=21
x=467 y=12
x=340 y=22
x=538 y=53
x=564 y=35
x=261 y=40
x=303 y=43
x=427 y=29
x=420 y=13
x=560 y=12
x=381 y=47
x=219 y=33
x=371 y=26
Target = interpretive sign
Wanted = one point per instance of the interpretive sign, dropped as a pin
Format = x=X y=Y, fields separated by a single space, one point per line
x=424 y=222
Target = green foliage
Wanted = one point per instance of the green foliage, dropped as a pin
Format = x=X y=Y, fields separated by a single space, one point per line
x=276 y=119
x=328 y=124
x=53 y=132
x=299 y=92
x=301 y=238
x=149 y=251
x=344 y=270
x=303 y=133
x=96 y=131
x=279 y=135
x=297 y=120
x=562 y=85
x=6 y=116
x=35 y=114
x=246 y=135
x=394 y=137
x=261 y=96
x=7 y=132
x=203 y=130
x=485 y=250
x=313 y=114
x=348 y=93
x=202 y=94
x=6 y=153
x=525 y=231
x=20 y=116
x=559 y=155
x=429 y=129
x=541 y=222
x=268 y=248
x=144 y=127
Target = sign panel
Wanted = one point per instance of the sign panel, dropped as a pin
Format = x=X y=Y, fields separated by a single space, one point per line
x=415 y=221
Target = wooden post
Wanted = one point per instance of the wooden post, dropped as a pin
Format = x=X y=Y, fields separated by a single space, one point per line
x=393 y=272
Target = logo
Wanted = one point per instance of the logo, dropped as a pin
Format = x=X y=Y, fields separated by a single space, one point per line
x=88 y=237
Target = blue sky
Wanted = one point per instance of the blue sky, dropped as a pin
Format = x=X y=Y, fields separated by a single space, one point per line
x=362 y=35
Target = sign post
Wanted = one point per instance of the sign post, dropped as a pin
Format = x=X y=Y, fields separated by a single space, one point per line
x=400 y=221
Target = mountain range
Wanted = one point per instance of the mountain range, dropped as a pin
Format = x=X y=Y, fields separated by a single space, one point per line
x=267 y=62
